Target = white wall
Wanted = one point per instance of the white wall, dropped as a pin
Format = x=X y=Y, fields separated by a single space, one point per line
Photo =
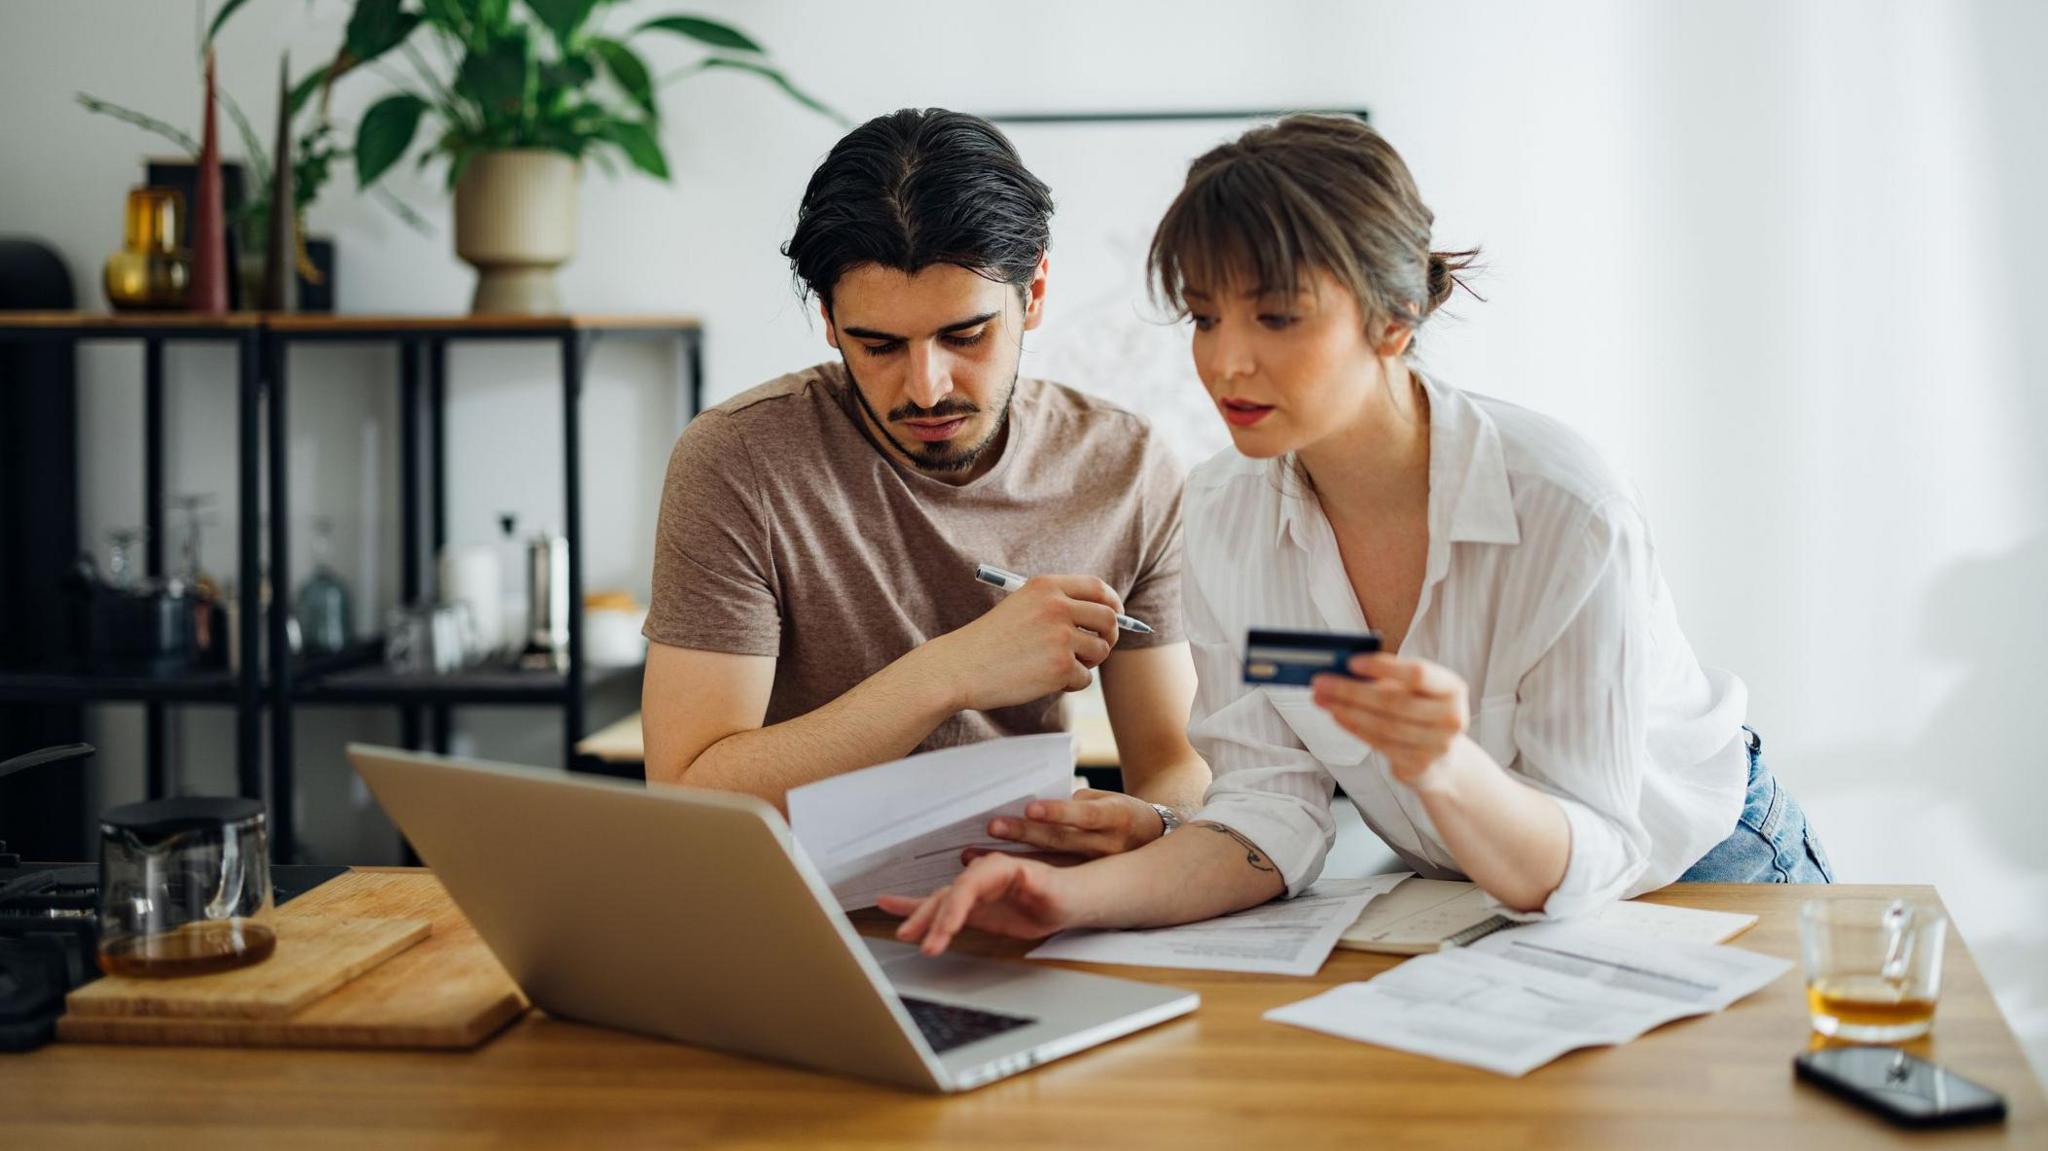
x=1781 y=260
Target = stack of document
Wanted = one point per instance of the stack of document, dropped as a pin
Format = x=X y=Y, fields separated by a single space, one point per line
x=1520 y=998
x=899 y=828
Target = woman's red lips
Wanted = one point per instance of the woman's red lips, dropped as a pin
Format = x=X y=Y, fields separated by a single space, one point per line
x=933 y=431
x=1244 y=413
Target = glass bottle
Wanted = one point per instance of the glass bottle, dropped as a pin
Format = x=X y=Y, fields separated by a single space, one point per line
x=209 y=623
x=121 y=571
x=323 y=602
x=193 y=519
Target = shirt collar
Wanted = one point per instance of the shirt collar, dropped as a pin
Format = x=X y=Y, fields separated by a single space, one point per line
x=1470 y=498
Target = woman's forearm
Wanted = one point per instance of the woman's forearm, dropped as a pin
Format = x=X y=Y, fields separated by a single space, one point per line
x=1510 y=838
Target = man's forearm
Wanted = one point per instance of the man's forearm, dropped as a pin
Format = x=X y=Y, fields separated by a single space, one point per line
x=1199 y=872
x=883 y=717
x=1179 y=785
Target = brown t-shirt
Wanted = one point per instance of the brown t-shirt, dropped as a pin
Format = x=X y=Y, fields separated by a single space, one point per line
x=787 y=531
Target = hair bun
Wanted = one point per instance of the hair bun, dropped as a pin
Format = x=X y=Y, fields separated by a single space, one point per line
x=1440 y=280
x=1444 y=278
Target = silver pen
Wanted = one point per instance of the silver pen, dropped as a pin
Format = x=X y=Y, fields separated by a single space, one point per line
x=1010 y=581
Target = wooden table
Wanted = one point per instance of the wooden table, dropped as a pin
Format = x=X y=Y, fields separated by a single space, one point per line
x=1220 y=1078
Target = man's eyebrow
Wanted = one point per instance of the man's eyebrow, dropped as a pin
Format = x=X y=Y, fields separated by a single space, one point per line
x=957 y=325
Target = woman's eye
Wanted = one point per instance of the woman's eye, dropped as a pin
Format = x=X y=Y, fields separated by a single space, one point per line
x=1202 y=323
x=1277 y=321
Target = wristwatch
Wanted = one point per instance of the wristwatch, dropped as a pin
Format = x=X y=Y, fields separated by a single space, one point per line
x=1168 y=818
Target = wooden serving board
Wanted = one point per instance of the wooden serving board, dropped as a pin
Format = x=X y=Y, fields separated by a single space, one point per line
x=445 y=992
x=314 y=956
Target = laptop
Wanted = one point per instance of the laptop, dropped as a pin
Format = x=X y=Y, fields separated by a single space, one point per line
x=693 y=915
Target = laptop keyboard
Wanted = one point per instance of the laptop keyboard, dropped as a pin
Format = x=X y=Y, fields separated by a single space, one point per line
x=946 y=1025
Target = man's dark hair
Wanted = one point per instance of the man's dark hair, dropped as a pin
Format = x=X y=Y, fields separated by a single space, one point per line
x=915 y=188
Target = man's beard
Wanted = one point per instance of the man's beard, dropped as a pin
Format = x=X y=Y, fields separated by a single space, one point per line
x=940 y=457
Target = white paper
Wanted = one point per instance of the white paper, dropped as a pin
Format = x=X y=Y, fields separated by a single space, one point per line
x=1522 y=997
x=1662 y=921
x=1694 y=977
x=1431 y=911
x=1284 y=937
x=898 y=828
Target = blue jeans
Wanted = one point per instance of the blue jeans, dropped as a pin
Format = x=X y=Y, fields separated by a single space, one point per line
x=1771 y=843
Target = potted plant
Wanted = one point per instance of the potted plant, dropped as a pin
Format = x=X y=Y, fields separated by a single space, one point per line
x=315 y=152
x=528 y=90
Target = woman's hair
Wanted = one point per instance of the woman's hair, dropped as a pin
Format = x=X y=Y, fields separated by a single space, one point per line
x=915 y=188
x=1307 y=192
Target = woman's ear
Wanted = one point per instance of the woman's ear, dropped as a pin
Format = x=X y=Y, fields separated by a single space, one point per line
x=1393 y=340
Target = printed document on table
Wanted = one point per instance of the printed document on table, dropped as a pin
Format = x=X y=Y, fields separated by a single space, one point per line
x=1425 y=915
x=1284 y=937
x=899 y=828
x=1520 y=998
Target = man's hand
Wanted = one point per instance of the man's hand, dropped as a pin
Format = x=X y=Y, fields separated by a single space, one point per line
x=1042 y=638
x=1093 y=823
x=1001 y=893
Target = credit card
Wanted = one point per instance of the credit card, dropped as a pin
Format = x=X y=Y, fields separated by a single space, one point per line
x=1295 y=657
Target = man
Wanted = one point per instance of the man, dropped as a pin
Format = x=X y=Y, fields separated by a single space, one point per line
x=815 y=609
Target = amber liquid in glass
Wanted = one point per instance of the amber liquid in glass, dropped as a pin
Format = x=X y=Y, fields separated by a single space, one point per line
x=1868 y=1001
x=194 y=949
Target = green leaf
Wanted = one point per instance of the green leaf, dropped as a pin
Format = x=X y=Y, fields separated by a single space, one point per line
x=568 y=74
x=226 y=11
x=496 y=77
x=780 y=81
x=140 y=120
x=563 y=17
x=628 y=69
x=376 y=27
x=384 y=135
x=370 y=27
x=493 y=16
x=703 y=32
x=450 y=17
x=639 y=145
x=304 y=89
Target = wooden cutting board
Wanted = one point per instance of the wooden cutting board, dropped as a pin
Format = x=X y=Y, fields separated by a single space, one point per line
x=445 y=992
x=315 y=955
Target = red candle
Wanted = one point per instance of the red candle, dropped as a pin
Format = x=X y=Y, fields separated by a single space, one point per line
x=209 y=290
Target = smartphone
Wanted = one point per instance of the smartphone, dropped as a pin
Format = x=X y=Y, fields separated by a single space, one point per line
x=1903 y=1088
x=1296 y=657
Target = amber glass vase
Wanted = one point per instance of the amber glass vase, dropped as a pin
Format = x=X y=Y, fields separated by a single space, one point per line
x=150 y=270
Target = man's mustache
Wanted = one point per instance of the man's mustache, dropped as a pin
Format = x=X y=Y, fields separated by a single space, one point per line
x=944 y=409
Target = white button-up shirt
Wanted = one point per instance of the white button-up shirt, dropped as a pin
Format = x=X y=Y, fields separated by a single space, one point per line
x=1541 y=590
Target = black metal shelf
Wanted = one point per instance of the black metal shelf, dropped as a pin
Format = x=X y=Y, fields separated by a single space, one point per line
x=351 y=677
x=243 y=332
x=215 y=685
x=376 y=684
x=356 y=676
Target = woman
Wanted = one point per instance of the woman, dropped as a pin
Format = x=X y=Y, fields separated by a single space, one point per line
x=1536 y=721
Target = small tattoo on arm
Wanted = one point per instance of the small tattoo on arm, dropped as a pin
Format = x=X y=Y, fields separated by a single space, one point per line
x=1252 y=855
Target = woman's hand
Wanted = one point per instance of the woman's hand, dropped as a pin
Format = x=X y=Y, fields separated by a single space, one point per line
x=1410 y=710
x=1001 y=893
x=1092 y=824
